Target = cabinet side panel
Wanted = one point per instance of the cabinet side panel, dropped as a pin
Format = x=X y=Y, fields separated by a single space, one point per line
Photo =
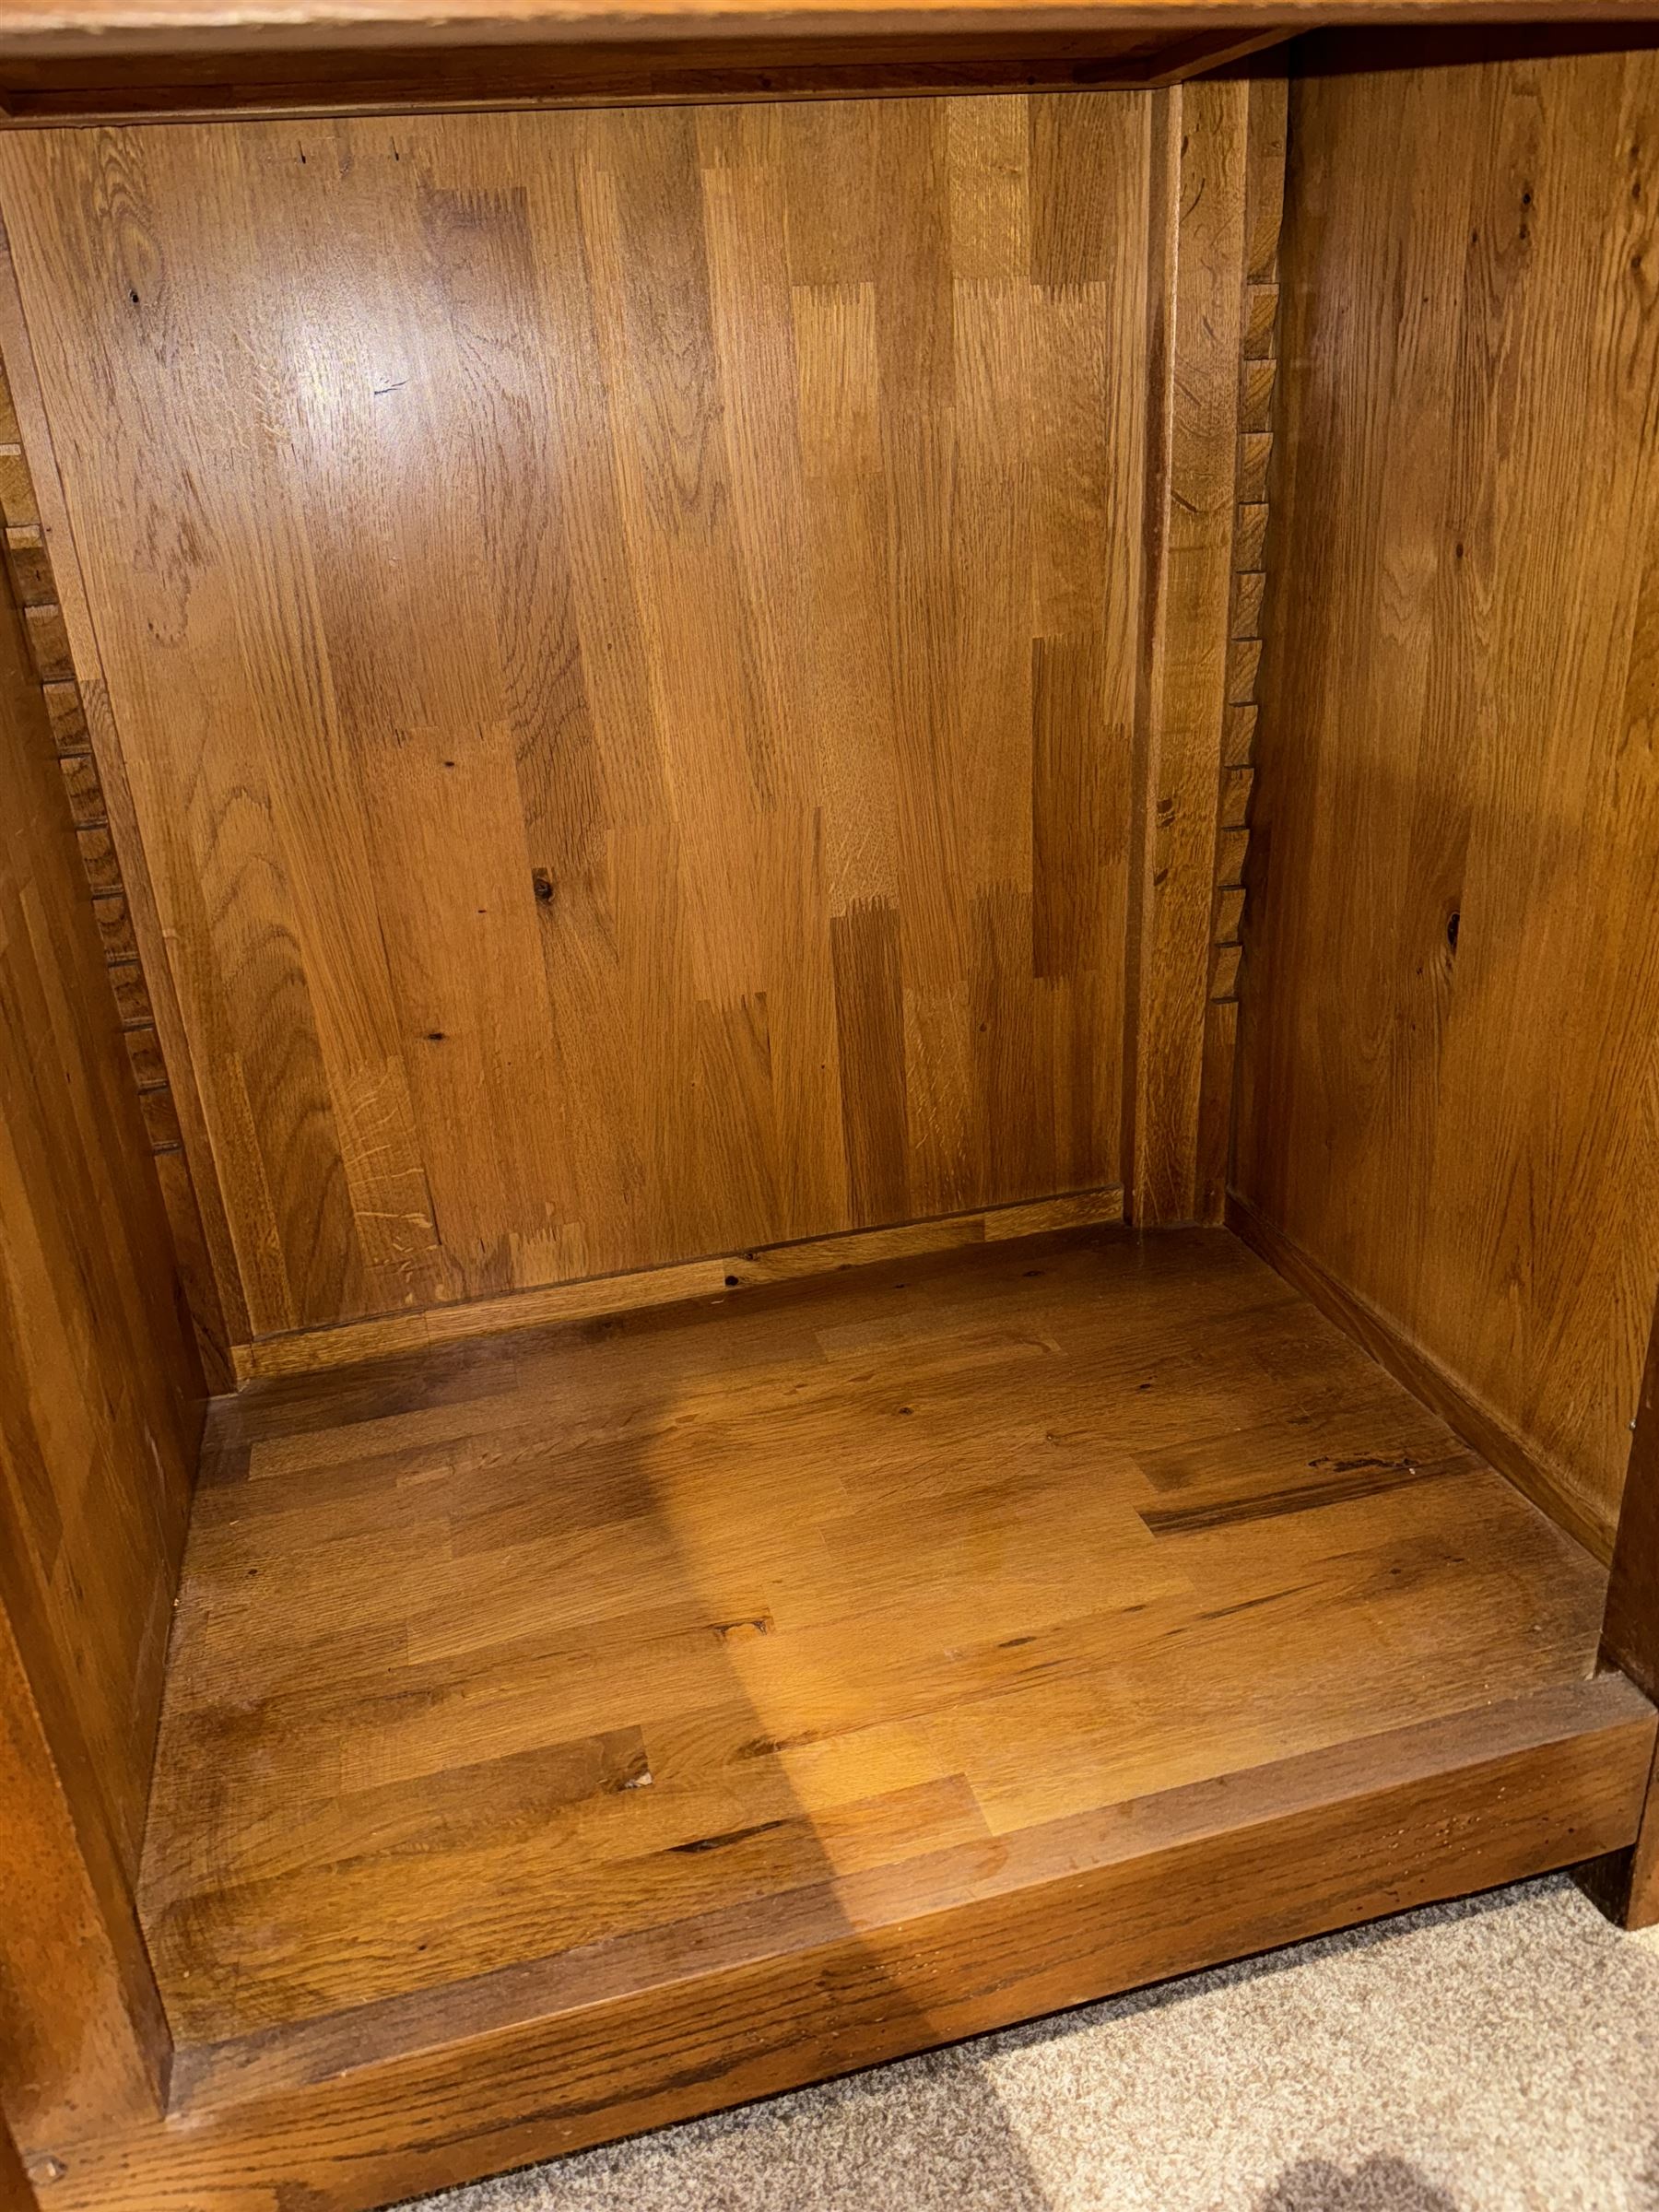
x=1449 y=1066
x=624 y=633
x=101 y=1401
x=45 y=583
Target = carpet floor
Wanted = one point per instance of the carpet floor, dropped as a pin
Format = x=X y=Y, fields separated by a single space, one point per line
x=1500 y=2054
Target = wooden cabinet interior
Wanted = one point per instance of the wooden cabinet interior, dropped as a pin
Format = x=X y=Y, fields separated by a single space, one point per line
x=667 y=742
x=1459 y=811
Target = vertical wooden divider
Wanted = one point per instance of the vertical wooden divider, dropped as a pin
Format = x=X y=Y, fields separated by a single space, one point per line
x=1445 y=1118
x=1218 y=152
x=46 y=580
x=101 y=1394
x=84 y=2042
x=1627 y=1885
x=1214 y=268
x=1258 y=377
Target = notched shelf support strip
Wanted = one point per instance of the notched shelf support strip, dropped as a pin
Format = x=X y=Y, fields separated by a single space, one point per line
x=34 y=588
x=868 y=1968
x=1214 y=278
x=1258 y=376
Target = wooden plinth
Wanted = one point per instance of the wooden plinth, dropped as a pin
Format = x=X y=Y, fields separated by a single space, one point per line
x=573 y=1731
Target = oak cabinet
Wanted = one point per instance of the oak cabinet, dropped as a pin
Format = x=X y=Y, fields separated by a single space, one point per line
x=829 y=1162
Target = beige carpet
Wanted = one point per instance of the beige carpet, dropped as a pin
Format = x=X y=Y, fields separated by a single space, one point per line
x=1497 y=2055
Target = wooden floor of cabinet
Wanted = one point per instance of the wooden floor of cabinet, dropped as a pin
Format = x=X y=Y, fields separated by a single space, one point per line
x=581 y=1727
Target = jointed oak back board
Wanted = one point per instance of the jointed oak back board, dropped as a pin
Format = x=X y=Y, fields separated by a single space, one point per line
x=678 y=680
x=624 y=632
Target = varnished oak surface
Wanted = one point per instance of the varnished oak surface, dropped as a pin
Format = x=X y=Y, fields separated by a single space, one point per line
x=841 y=1973
x=1426 y=1378
x=99 y=1385
x=1630 y=1886
x=64 y=59
x=558 y=1642
x=313 y=1350
x=1452 y=1000
x=58 y=26
x=666 y=61
x=101 y=1409
x=31 y=509
x=678 y=577
x=1222 y=166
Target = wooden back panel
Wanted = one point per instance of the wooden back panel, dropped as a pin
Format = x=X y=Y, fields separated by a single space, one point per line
x=625 y=631
x=100 y=1404
x=1451 y=1061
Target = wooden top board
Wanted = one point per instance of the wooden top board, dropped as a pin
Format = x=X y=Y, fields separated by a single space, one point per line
x=88 y=60
x=62 y=27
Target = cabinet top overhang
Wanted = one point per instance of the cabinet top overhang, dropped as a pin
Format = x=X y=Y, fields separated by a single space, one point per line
x=76 y=61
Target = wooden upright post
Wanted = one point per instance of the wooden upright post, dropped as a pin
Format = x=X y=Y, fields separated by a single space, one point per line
x=1626 y=1884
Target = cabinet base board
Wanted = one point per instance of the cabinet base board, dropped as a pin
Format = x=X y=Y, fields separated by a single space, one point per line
x=314 y=1351
x=844 y=1975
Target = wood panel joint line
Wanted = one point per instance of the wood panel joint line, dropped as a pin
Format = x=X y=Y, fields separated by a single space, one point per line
x=344 y=1344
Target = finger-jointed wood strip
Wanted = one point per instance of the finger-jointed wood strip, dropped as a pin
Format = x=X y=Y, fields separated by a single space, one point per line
x=679 y=578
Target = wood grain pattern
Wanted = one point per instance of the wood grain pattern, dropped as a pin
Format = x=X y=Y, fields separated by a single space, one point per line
x=857 y=1969
x=876 y=61
x=680 y=583
x=1641 y=1898
x=1450 y=1064
x=99 y=1412
x=523 y=1646
x=868 y=1902
x=1263 y=209
x=1625 y=1883
x=83 y=2044
x=1197 y=334
x=1225 y=166
x=1629 y=1886
x=1482 y=1428
x=1631 y=1634
x=316 y=1350
x=28 y=559
x=72 y=31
